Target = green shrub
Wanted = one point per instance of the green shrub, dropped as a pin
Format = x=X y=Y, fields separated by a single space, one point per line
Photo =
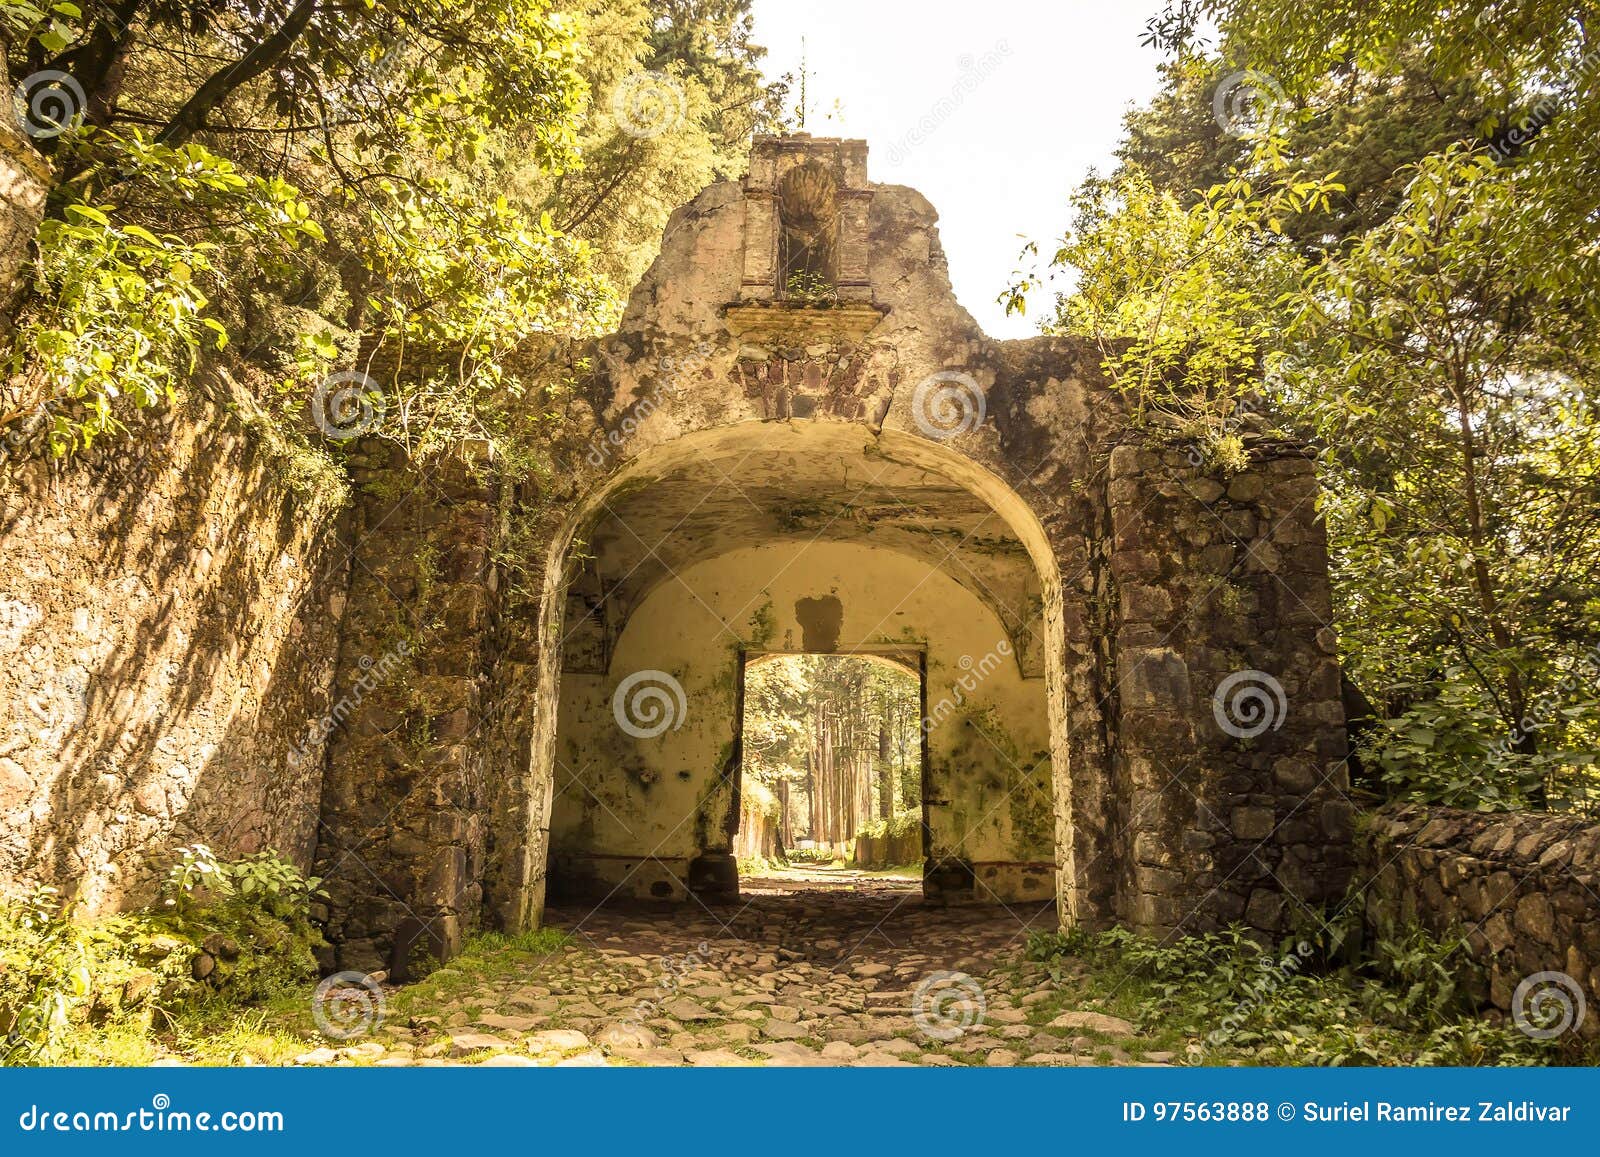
x=900 y=824
x=1310 y=1001
x=44 y=973
x=227 y=933
x=812 y=855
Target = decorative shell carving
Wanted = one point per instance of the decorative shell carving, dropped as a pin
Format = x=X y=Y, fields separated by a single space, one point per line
x=808 y=198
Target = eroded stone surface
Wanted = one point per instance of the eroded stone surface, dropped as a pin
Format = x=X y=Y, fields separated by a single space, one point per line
x=1523 y=886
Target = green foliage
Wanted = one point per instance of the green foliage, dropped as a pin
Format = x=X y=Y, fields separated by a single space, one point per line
x=301 y=182
x=1449 y=749
x=902 y=823
x=261 y=879
x=1396 y=268
x=44 y=973
x=712 y=99
x=1076 y=942
x=539 y=941
x=1302 y=1003
x=812 y=856
x=810 y=288
x=230 y=934
x=1180 y=297
x=120 y=312
x=50 y=26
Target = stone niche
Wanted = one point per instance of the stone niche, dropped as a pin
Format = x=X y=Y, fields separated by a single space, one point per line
x=806 y=203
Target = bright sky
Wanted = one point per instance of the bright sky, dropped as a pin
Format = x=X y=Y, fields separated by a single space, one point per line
x=1039 y=89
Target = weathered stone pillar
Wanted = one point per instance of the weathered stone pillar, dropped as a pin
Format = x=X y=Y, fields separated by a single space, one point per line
x=401 y=837
x=1230 y=729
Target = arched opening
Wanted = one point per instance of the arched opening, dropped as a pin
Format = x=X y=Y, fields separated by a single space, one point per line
x=831 y=767
x=782 y=538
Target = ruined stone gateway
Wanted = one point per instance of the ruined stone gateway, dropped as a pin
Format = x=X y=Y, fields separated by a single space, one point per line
x=803 y=443
x=799 y=442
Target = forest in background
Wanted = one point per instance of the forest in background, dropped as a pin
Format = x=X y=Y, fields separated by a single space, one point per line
x=833 y=746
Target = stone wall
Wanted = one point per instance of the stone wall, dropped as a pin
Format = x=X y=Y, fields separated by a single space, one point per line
x=169 y=611
x=749 y=470
x=405 y=806
x=887 y=851
x=1523 y=890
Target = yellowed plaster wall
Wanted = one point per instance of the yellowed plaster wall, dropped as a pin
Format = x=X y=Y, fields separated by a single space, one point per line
x=621 y=799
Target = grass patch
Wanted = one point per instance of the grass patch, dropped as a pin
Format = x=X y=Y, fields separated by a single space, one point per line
x=1224 y=999
x=174 y=979
x=483 y=958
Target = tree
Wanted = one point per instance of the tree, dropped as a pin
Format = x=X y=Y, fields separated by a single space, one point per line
x=310 y=174
x=1466 y=510
x=1365 y=126
x=834 y=729
x=1426 y=313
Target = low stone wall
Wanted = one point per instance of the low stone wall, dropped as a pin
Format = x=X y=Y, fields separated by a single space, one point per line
x=1522 y=889
x=169 y=617
x=887 y=851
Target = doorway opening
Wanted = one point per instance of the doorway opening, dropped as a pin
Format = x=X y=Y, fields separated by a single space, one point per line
x=832 y=774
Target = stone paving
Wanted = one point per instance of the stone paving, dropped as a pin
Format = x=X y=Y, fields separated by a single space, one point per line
x=853 y=971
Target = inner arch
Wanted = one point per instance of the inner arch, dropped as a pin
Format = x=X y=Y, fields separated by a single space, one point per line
x=800 y=537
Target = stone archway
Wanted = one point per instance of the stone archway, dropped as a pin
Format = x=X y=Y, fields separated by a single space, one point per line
x=787 y=538
x=1163 y=594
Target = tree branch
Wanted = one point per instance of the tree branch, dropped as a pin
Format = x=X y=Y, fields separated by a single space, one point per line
x=192 y=116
